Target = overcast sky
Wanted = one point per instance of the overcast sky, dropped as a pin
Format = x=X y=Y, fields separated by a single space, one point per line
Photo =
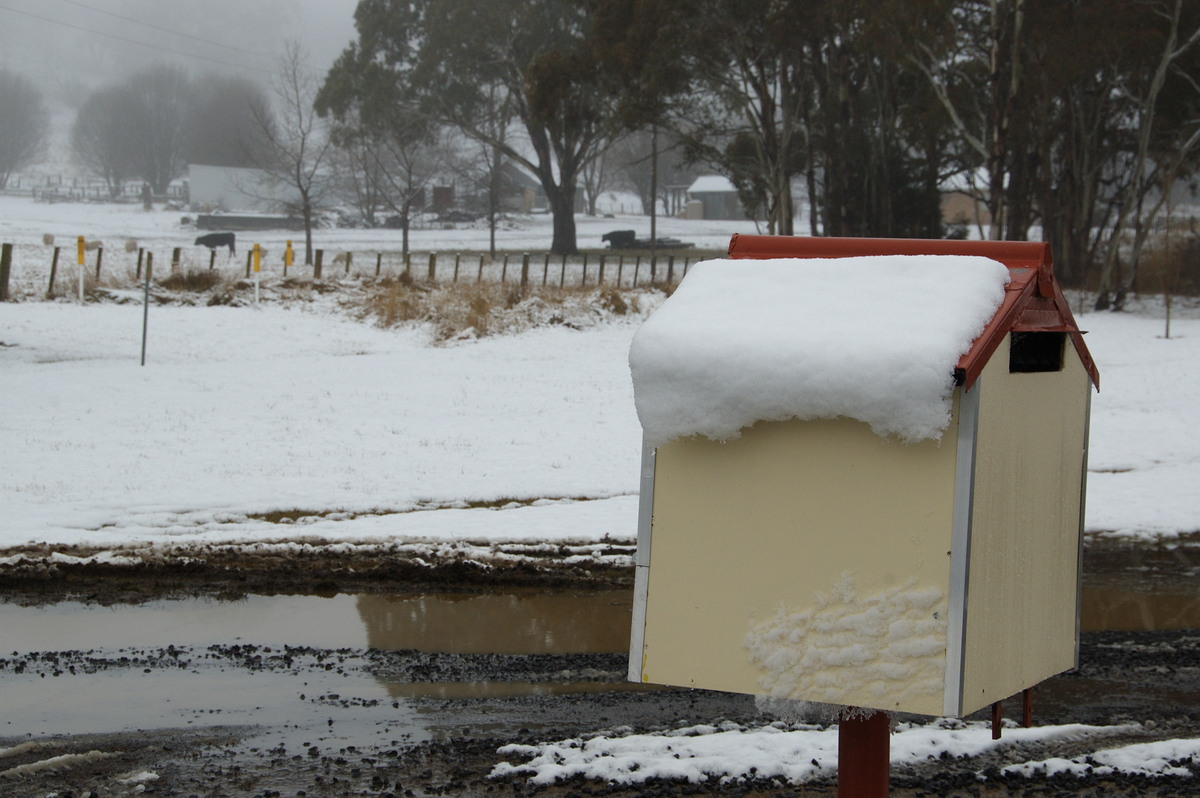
x=72 y=46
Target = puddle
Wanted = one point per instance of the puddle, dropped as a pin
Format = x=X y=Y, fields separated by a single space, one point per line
x=328 y=702
x=332 y=699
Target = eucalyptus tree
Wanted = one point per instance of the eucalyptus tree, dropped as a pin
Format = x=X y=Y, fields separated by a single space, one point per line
x=1165 y=102
x=771 y=92
x=450 y=59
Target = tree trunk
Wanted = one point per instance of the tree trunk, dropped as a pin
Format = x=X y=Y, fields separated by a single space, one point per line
x=562 y=208
x=306 y=210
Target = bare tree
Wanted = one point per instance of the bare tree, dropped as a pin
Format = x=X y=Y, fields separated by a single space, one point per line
x=297 y=148
x=100 y=140
x=24 y=124
x=138 y=128
x=159 y=123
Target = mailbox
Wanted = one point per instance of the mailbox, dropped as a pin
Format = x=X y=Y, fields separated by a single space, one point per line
x=806 y=533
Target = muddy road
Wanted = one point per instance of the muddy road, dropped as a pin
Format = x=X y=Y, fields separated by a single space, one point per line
x=327 y=674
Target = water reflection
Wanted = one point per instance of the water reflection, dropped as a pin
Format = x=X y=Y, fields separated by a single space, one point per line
x=525 y=622
x=1123 y=609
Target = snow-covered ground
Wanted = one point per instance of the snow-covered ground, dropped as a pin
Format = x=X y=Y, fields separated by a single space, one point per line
x=729 y=752
x=377 y=434
x=241 y=412
x=368 y=434
x=25 y=221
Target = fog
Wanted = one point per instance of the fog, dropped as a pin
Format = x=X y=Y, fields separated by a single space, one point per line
x=69 y=47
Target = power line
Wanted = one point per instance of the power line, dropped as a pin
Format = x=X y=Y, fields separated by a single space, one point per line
x=133 y=41
x=152 y=26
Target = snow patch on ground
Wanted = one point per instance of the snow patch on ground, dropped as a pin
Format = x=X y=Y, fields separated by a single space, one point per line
x=730 y=752
x=1160 y=758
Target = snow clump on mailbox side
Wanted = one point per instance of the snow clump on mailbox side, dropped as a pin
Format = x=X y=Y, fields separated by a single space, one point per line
x=871 y=338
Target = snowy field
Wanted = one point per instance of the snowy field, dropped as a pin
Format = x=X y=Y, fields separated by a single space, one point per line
x=241 y=412
x=23 y=221
x=370 y=434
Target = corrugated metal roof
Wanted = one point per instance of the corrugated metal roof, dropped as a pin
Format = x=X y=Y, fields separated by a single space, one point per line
x=1033 y=300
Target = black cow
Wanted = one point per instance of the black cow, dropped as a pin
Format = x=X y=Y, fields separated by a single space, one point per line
x=620 y=239
x=214 y=240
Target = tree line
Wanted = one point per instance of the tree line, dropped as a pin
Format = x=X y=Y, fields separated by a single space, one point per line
x=1073 y=120
x=1076 y=117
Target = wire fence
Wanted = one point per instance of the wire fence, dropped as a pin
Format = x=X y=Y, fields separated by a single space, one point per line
x=52 y=270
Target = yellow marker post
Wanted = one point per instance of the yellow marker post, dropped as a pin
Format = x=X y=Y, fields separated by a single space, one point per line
x=257 y=261
x=79 y=249
x=288 y=257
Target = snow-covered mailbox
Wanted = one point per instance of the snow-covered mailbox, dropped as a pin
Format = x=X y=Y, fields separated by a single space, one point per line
x=863 y=474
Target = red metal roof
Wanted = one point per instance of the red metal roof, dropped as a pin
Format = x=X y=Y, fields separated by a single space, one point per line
x=1033 y=300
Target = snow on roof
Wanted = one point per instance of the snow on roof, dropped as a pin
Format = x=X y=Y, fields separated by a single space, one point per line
x=872 y=338
x=706 y=183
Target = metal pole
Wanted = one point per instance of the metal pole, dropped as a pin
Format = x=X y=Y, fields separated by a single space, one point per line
x=146 y=304
x=863 y=751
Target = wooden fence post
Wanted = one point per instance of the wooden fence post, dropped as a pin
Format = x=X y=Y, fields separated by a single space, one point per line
x=5 y=269
x=545 y=268
x=99 y=257
x=504 y=269
x=637 y=268
x=457 y=262
x=583 y=280
x=175 y=259
x=600 y=278
x=212 y=258
x=53 y=273
x=620 y=269
x=349 y=258
x=378 y=262
x=670 y=269
x=524 y=269
x=562 y=277
x=249 y=261
x=318 y=257
x=137 y=274
x=432 y=266
x=479 y=277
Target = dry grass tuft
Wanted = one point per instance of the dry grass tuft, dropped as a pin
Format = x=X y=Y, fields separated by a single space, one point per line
x=464 y=311
x=194 y=280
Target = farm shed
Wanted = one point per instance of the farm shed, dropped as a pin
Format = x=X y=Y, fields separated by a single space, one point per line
x=863 y=476
x=717 y=196
x=231 y=188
